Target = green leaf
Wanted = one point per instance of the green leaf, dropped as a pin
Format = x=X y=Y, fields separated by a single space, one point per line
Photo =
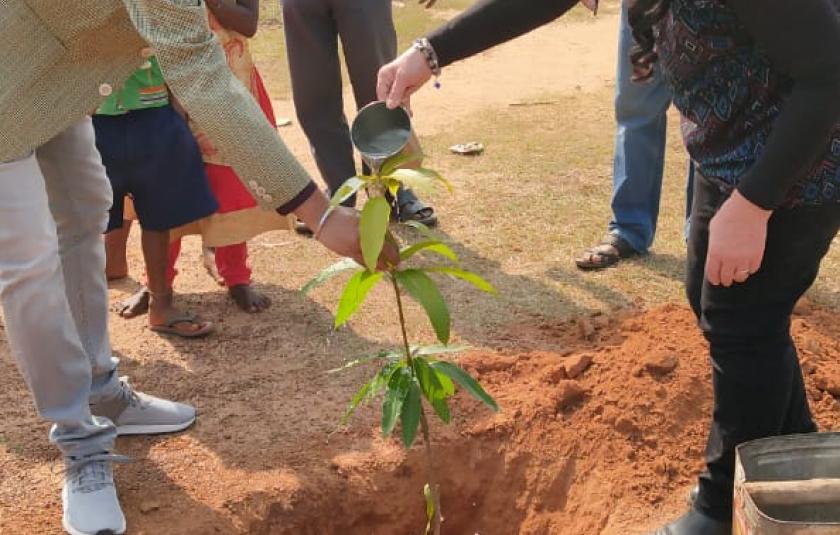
x=432 y=388
x=425 y=291
x=442 y=410
x=393 y=186
x=468 y=276
x=437 y=176
x=431 y=246
x=421 y=180
x=398 y=160
x=398 y=388
x=328 y=273
x=372 y=229
x=361 y=395
x=426 y=351
x=372 y=388
x=354 y=294
x=391 y=354
x=415 y=180
x=466 y=381
x=411 y=414
x=430 y=508
x=445 y=383
x=348 y=189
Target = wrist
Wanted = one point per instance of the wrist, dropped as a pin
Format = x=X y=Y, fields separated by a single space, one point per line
x=748 y=207
x=429 y=55
x=311 y=210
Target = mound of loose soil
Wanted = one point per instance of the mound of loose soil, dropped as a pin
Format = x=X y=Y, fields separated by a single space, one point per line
x=602 y=431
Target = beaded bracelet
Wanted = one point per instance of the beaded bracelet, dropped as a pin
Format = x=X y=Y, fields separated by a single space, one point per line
x=425 y=47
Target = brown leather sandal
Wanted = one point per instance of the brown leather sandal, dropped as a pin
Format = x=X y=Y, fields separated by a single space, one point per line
x=609 y=252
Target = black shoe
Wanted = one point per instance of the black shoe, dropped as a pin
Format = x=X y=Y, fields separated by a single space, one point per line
x=409 y=208
x=695 y=523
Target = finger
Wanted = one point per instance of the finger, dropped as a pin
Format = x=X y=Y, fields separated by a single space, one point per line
x=397 y=92
x=727 y=273
x=384 y=81
x=713 y=270
x=742 y=273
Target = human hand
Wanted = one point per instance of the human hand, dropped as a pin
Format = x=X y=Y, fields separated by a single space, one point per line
x=399 y=79
x=340 y=234
x=737 y=237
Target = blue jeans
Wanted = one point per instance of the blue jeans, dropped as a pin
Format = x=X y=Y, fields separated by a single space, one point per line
x=640 y=111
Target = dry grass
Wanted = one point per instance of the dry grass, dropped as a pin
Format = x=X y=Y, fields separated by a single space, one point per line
x=521 y=213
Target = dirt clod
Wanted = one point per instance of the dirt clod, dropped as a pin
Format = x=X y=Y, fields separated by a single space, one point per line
x=147 y=507
x=661 y=365
x=567 y=394
x=577 y=364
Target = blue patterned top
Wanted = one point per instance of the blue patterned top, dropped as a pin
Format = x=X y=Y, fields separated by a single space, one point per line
x=730 y=96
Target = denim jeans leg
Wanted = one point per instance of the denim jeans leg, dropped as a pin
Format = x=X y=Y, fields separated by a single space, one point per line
x=640 y=110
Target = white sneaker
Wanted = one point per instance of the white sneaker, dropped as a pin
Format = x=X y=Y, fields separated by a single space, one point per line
x=135 y=413
x=90 y=499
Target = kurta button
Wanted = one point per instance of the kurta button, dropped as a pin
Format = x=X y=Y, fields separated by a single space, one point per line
x=105 y=90
x=147 y=52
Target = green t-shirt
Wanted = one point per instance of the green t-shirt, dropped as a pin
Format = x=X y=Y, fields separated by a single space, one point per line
x=145 y=89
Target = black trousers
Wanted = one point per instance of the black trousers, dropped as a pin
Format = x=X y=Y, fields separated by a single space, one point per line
x=757 y=381
x=313 y=29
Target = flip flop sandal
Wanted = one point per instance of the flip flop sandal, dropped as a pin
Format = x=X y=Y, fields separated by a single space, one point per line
x=473 y=148
x=170 y=326
x=417 y=210
x=602 y=255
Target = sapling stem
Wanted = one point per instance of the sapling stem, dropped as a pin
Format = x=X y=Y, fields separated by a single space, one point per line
x=424 y=424
x=430 y=467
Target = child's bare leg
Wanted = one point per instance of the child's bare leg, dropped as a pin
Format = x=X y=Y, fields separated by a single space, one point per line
x=116 y=263
x=163 y=316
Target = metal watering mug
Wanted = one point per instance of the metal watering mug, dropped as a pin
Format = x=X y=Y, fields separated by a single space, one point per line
x=379 y=134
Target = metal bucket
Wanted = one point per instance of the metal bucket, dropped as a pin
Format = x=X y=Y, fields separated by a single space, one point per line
x=788 y=485
x=379 y=133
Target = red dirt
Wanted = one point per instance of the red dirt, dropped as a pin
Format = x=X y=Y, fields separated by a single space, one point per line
x=612 y=451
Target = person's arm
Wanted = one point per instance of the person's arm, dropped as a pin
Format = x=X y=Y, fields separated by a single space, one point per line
x=196 y=71
x=241 y=16
x=802 y=39
x=488 y=23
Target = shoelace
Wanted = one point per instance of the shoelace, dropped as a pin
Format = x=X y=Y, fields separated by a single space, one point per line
x=92 y=472
x=128 y=395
